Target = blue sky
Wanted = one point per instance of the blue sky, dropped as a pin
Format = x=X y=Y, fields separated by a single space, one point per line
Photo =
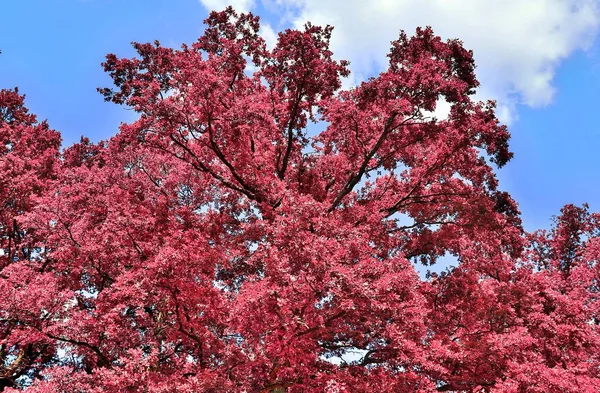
x=540 y=59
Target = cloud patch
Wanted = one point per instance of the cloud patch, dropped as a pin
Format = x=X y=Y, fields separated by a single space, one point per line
x=219 y=5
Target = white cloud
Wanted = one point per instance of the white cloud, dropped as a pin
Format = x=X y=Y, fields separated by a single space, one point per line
x=270 y=36
x=518 y=44
x=220 y=5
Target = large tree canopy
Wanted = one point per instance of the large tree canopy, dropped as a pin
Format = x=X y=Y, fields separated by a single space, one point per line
x=216 y=245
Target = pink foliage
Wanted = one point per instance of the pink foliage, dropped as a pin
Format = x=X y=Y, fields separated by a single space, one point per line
x=215 y=245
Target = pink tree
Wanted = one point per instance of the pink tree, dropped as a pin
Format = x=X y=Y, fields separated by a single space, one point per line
x=215 y=245
x=28 y=167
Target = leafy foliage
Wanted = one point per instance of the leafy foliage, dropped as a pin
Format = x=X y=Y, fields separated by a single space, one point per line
x=216 y=245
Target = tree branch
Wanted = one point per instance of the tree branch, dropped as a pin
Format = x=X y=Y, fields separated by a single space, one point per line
x=353 y=181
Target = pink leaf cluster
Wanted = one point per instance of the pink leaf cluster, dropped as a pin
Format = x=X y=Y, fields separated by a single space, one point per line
x=217 y=245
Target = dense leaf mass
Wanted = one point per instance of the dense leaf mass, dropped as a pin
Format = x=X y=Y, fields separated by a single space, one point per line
x=219 y=244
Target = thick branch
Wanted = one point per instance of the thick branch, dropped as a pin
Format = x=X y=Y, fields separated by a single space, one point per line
x=102 y=359
x=353 y=181
x=215 y=148
x=198 y=165
x=290 y=137
x=417 y=199
x=437 y=164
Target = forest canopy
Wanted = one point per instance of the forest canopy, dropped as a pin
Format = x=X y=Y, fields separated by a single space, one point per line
x=216 y=245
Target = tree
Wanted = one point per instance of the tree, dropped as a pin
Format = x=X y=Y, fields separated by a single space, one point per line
x=216 y=245
x=28 y=166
